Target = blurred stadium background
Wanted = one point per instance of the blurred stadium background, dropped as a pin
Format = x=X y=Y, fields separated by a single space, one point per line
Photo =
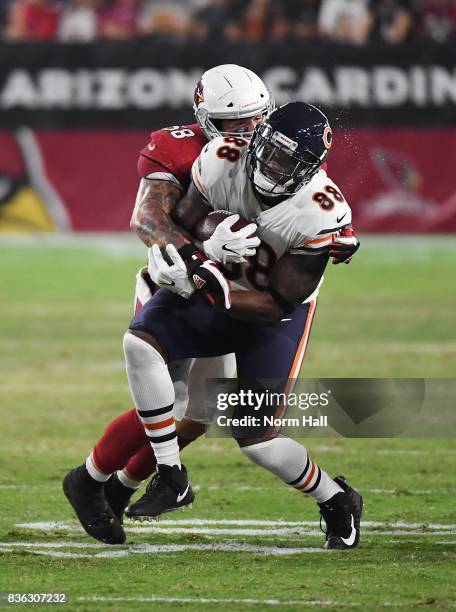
x=82 y=82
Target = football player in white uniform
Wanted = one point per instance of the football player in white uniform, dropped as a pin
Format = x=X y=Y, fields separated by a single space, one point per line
x=229 y=100
x=302 y=218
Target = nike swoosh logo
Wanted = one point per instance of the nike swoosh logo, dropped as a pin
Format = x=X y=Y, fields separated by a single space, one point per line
x=351 y=539
x=171 y=284
x=340 y=219
x=181 y=497
x=224 y=248
x=151 y=148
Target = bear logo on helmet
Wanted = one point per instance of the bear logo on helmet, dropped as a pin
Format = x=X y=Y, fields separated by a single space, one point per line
x=327 y=137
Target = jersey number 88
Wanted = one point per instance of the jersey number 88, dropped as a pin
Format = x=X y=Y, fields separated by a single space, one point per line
x=325 y=199
x=256 y=269
x=180 y=131
x=230 y=153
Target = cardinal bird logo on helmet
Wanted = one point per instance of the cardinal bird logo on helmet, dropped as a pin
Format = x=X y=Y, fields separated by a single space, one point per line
x=198 y=96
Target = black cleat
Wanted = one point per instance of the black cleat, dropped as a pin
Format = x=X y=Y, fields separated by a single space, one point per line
x=168 y=490
x=342 y=514
x=117 y=495
x=89 y=502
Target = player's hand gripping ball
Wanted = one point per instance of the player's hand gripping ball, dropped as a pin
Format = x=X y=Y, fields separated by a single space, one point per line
x=226 y=237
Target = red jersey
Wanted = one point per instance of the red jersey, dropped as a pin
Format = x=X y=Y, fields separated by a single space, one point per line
x=170 y=154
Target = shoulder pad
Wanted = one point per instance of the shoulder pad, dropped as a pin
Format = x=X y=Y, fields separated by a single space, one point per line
x=322 y=212
x=173 y=149
x=212 y=165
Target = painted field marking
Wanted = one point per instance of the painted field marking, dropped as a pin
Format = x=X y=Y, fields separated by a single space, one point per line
x=158 y=529
x=256 y=523
x=59 y=545
x=253 y=602
x=48 y=549
x=212 y=528
x=213 y=600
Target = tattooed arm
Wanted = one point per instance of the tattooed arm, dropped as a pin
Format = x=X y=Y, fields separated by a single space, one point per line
x=150 y=218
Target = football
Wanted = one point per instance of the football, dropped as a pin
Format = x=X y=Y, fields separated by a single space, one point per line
x=206 y=227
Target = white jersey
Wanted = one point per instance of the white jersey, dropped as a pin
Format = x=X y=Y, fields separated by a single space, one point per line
x=305 y=223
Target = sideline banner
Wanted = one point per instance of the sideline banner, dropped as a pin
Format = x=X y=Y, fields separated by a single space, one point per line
x=138 y=83
x=396 y=180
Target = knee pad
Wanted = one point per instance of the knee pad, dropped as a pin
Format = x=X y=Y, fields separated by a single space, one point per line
x=262 y=453
x=139 y=354
x=148 y=376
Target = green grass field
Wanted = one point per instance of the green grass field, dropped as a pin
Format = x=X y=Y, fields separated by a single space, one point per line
x=249 y=541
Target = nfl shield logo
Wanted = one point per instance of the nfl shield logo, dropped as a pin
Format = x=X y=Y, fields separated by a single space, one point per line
x=199 y=282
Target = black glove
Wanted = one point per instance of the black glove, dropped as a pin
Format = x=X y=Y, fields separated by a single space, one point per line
x=206 y=276
x=344 y=246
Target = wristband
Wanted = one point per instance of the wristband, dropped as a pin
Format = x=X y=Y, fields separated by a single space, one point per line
x=190 y=254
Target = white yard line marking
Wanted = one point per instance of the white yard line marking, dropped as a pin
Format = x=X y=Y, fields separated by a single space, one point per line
x=48 y=549
x=285 y=531
x=72 y=525
x=213 y=600
x=50 y=526
x=282 y=532
x=263 y=533
x=202 y=487
x=91 y=550
x=69 y=555
x=225 y=547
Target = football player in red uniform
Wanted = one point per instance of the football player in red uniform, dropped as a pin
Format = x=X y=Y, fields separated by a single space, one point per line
x=277 y=186
x=229 y=100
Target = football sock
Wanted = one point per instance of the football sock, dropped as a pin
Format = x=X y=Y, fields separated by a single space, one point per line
x=123 y=437
x=143 y=463
x=93 y=470
x=291 y=463
x=127 y=481
x=153 y=393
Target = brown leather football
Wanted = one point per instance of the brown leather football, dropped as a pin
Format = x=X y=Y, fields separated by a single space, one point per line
x=206 y=227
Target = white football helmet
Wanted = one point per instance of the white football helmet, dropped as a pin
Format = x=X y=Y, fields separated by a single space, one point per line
x=229 y=92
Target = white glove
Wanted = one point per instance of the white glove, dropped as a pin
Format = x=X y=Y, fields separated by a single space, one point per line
x=143 y=292
x=227 y=246
x=173 y=277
